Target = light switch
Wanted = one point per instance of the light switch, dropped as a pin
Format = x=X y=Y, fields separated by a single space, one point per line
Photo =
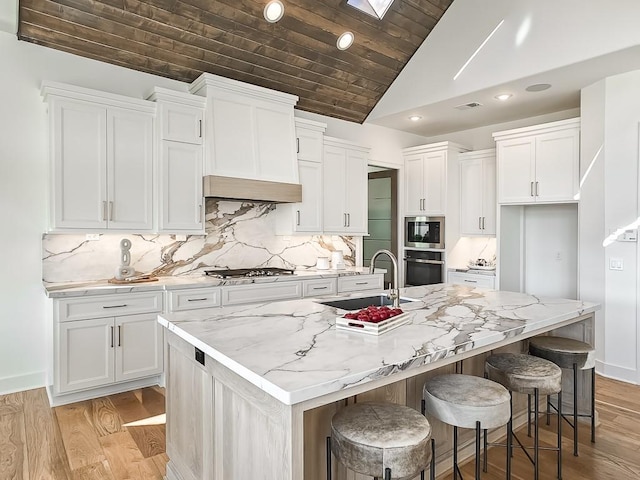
x=616 y=264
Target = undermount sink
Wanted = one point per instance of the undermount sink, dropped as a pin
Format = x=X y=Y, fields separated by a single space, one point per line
x=363 y=302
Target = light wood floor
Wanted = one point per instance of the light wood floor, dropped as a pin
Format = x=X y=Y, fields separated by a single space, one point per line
x=107 y=438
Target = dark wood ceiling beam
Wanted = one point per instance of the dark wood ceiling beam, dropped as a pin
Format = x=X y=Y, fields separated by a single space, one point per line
x=80 y=25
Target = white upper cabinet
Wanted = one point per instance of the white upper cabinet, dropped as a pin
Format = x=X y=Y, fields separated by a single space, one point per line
x=306 y=216
x=478 y=192
x=102 y=159
x=345 y=187
x=539 y=164
x=180 y=161
x=426 y=173
x=250 y=130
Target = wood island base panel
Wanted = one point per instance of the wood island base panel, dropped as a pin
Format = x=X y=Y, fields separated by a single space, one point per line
x=240 y=378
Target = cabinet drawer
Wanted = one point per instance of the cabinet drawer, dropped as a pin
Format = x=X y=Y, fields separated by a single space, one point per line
x=108 y=306
x=192 y=299
x=323 y=286
x=355 y=283
x=472 y=280
x=240 y=294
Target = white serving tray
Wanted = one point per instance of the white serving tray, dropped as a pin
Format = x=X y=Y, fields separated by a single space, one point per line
x=371 y=328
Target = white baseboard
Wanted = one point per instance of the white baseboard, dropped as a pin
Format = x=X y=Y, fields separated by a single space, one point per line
x=22 y=382
x=616 y=372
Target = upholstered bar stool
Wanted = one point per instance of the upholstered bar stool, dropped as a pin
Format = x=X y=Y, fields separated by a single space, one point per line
x=575 y=355
x=466 y=401
x=532 y=376
x=383 y=440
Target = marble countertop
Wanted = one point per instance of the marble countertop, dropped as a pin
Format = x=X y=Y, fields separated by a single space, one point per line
x=293 y=351
x=191 y=280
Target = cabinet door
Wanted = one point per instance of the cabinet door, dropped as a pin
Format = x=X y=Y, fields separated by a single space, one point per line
x=557 y=162
x=356 y=193
x=334 y=187
x=181 y=123
x=79 y=165
x=138 y=344
x=308 y=213
x=232 y=142
x=471 y=190
x=414 y=185
x=516 y=167
x=181 y=187
x=85 y=354
x=435 y=178
x=489 y=196
x=129 y=169
x=309 y=144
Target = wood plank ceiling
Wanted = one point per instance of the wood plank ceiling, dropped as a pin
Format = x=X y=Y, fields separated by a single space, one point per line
x=180 y=39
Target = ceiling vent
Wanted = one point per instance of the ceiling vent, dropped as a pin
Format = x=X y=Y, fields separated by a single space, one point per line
x=467 y=106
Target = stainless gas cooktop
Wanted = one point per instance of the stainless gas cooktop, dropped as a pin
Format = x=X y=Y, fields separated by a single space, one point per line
x=248 y=272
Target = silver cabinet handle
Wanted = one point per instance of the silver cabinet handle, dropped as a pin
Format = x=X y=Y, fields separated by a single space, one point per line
x=119 y=335
x=471 y=281
x=531 y=189
x=344 y=219
x=419 y=260
x=298 y=217
x=200 y=128
x=348 y=219
x=297 y=145
x=196 y=299
x=115 y=306
x=362 y=283
x=479 y=223
x=537 y=189
x=110 y=211
x=483 y=219
x=319 y=288
x=104 y=210
x=111 y=336
x=199 y=213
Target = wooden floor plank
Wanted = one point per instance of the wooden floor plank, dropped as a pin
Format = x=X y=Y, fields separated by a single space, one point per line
x=13 y=447
x=11 y=403
x=45 y=449
x=79 y=435
x=105 y=417
x=95 y=471
x=126 y=460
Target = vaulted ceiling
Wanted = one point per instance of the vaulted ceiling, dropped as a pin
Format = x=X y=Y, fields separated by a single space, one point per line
x=180 y=39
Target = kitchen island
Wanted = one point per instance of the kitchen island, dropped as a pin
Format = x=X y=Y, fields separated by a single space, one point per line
x=251 y=389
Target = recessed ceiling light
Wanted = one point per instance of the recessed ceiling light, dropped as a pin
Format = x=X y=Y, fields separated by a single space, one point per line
x=273 y=11
x=503 y=96
x=538 y=87
x=345 y=40
x=415 y=118
x=375 y=8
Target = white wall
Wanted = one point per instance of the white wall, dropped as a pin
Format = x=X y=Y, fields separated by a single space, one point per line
x=613 y=181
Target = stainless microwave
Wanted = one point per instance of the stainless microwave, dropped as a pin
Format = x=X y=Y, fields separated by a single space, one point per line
x=424 y=232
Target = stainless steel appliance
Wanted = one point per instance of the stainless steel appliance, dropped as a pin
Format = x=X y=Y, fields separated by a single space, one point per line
x=423 y=267
x=424 y=232
x=248 y=272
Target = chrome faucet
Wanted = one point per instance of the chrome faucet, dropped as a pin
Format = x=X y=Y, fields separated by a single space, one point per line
x=394 y=293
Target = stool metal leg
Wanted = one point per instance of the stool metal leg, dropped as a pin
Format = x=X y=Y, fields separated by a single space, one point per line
x=548 y=409
x=432 y=472
x=528 y=415
x=509 y=439
x=328 y=458
x=478 y=450
x=575 y=409
x=455 y=453
x=484 y=446
x=536 y=440
x=387 y=474
x=560 y=435
x=593 y=405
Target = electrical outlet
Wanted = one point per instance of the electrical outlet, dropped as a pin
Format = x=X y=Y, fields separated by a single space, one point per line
x=616 y=264
x=92 y=237
x=181 y=238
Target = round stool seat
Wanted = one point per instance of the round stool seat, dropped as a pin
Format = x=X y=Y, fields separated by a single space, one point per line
x=564 y=352
x=463 y=400
x=524 y=373
x=370 y=437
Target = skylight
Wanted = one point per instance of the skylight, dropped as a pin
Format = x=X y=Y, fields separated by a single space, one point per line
x=375 y=8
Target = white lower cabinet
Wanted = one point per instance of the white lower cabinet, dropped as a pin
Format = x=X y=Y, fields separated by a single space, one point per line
x=318 y=287
x=193 y=299
x=102 y=347
x=472 y=279
x=239 y=294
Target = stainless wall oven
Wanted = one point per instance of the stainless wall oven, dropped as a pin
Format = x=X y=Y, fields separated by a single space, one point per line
x=424 y=232
x=423 y=267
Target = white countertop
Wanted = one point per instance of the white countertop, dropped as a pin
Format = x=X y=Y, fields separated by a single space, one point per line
x=192 y=280
x=293 y=351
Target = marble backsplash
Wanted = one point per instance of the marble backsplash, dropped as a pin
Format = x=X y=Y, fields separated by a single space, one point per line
x=238 y=235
